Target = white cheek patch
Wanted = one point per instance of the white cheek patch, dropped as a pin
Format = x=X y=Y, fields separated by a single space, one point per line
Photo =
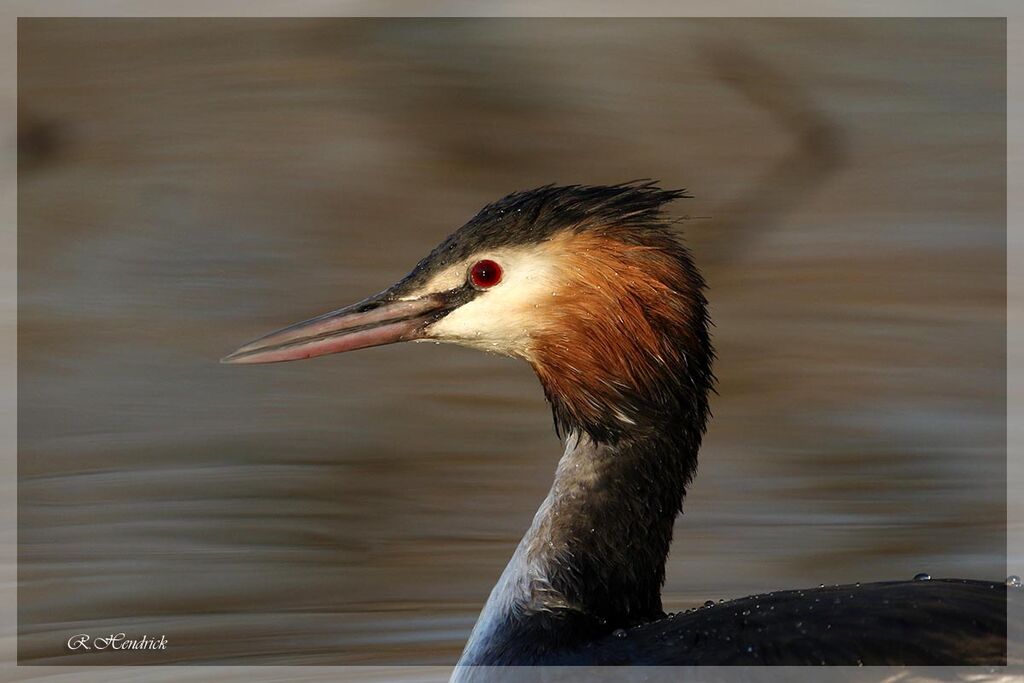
x=500 y=319
x=442 y=282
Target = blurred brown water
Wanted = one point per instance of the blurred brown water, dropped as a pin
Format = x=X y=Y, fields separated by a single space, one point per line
x=185 y=185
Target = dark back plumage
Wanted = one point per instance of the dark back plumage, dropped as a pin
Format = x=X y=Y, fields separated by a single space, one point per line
x=940 y=622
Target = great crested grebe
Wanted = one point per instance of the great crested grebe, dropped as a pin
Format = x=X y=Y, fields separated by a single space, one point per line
x=590 y=286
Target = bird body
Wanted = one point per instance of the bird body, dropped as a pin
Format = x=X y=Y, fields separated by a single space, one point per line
x=592 y=288
x=939 y=622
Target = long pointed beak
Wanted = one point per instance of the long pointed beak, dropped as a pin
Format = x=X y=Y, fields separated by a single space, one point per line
x=378 y=320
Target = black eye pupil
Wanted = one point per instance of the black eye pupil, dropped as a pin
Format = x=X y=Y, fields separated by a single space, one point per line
x=485 y=273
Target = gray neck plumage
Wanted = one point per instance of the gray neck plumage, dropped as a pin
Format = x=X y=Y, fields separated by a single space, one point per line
x=593 y=560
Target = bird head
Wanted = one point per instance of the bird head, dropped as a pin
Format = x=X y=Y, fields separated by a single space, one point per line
x=587 y=284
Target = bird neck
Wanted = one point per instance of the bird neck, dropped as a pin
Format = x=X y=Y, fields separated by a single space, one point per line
x=629 y=387
x=594 y=558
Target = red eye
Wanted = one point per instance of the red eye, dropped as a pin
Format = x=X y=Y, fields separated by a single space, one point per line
x=485 y=274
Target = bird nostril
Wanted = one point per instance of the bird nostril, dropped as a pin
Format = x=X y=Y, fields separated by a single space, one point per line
x=485 y=273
